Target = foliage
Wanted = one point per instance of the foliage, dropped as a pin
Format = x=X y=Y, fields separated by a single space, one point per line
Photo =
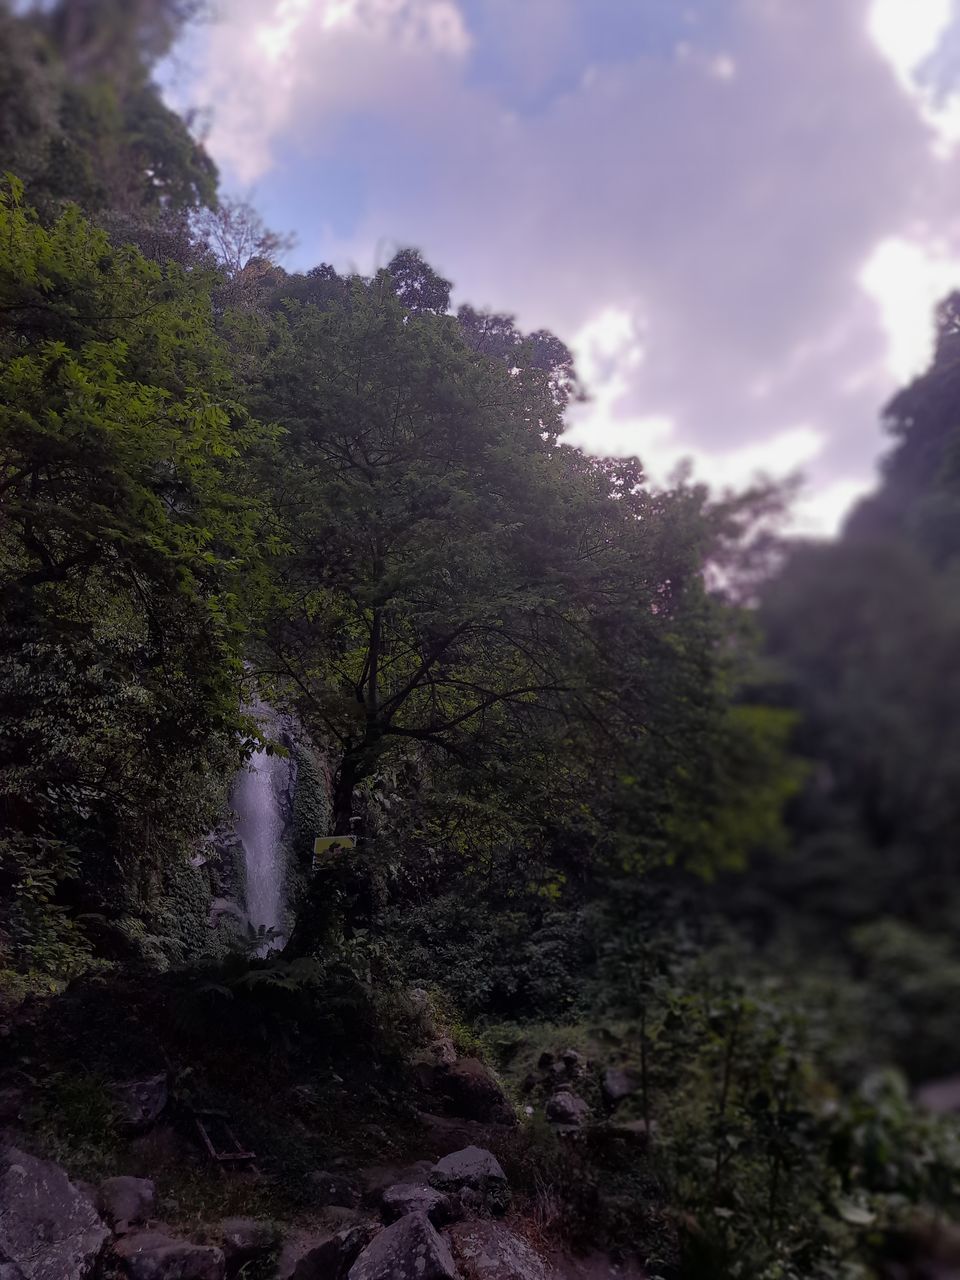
x=128 y=555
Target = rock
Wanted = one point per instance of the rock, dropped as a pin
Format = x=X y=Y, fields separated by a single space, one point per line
x=10 y=1271
x=486 y=1250
x=48 y=1229
x=471 y=1167
x=568 y=1109
x=471 y=1091
x=546 y=1060
x=576 y=1064
x=245 y=1240
x=412 y=1197
x=473 y=1170
x=324 y=1257
x=141 y=1102
x=125 y=1201
x=409 y=1250
x=940 y=1096
x=151 y=1255
x=443 y=1052
x=335 y=1188
x=619 y=1083
x=422 y=1008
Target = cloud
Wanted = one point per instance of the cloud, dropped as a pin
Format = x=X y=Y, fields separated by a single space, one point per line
x=740 y=209
x=295 y=68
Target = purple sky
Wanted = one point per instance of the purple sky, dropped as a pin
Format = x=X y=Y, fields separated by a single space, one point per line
x=738 y=212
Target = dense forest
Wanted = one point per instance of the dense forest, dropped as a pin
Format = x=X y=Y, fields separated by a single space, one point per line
x=617 y=831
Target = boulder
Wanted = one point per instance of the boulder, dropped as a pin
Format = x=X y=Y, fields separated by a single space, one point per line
x=245 y=1240
x=476 y=1175
x=327 y=1256
x=151 y=1255
x=469 y=1090
x=576 y=1064
x=48 y=1229
x=412 y=1197
x=619 y=1083
x=568 y=1109
x=10 y=1271
x=141 y=1102
x=940 y=1096
x=126 y=1201
x=486 y=1250
x=443 y=1052
x=409 y=1250
x=422 y=1008
x=335 y=1188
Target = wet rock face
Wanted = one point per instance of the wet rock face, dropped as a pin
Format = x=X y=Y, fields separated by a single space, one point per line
x=409 y=1250
x=151 y=1255
x=486 y=1250
x=48 y=1229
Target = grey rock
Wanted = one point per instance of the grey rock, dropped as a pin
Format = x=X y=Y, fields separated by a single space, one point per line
x=126 y=1201
x=476 y=1171
x=575 y=1063
x=335 y=1188
x=413 y=1197
x=470 y=1091
x=443 y=1052
x=328 y=1257
x=422 y=1007
x=10 y=1271
x=486 y=1250
x=568 y=1109
x=940 y=1096
x=409 y=1250
x=151 y=1255
x=245 y=1240
x=48 y=1229
x=471 y=1167
x=141 y=1102
x=619 y=1083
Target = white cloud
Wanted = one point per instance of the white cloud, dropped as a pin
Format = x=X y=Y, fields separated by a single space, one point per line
x=747 y=263
x=907 y=32
x=266 y=60
x=906 y=279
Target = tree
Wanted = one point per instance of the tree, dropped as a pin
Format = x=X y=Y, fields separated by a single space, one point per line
x=128 y=558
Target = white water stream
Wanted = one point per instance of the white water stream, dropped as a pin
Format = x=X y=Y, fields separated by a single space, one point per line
x=256 y=799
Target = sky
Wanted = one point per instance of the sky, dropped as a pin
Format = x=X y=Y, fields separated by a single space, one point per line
x=738 y=213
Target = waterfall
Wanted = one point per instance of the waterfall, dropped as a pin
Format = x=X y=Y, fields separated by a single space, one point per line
x=257 y=800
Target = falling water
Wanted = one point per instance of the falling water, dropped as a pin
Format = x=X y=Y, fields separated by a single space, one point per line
x=257 y=802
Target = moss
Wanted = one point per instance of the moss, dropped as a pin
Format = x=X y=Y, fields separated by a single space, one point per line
x=312 y=807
